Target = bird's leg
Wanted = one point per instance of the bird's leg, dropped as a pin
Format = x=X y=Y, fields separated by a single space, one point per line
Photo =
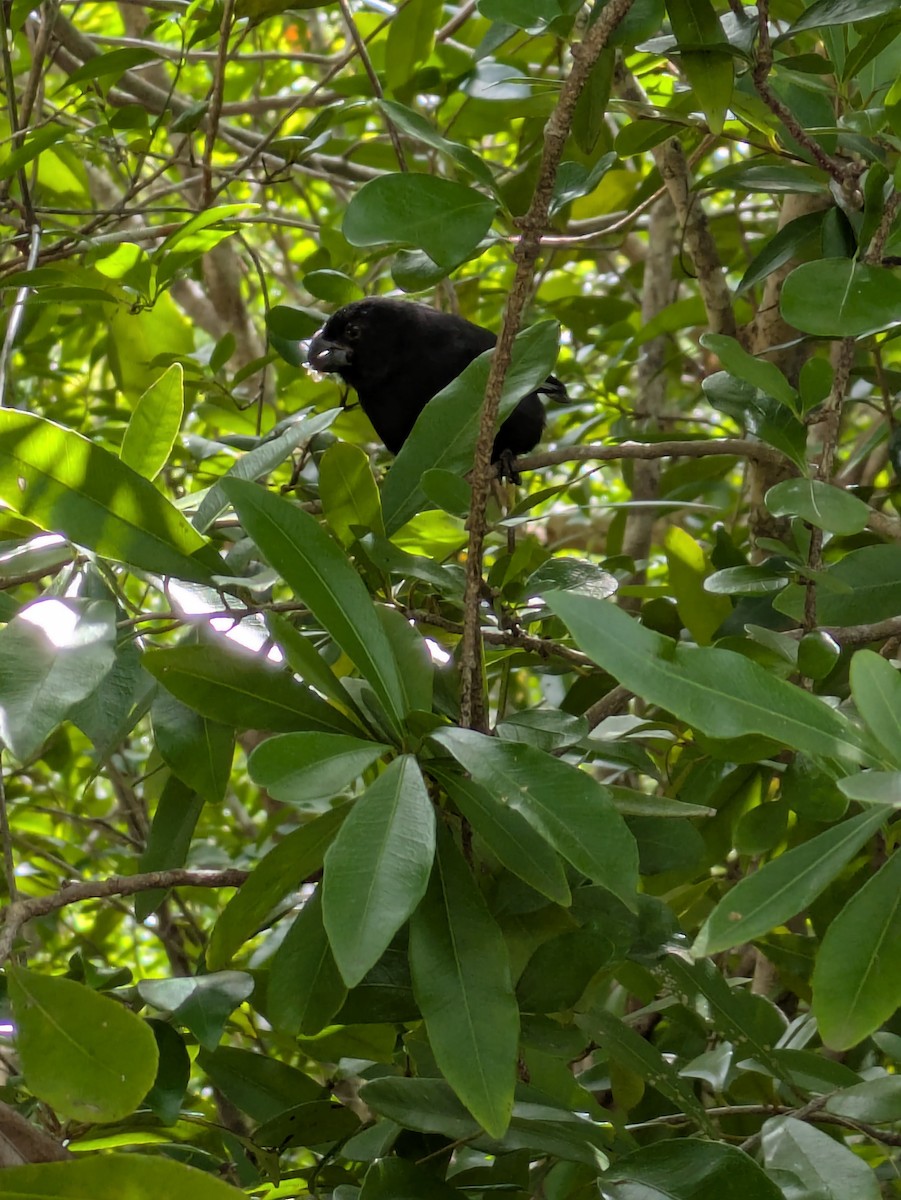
x=506 y=468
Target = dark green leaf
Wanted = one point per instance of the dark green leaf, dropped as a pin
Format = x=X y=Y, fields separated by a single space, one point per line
x=445 y=219
x=315 y=568
x=462 y=983
x=786 y=885
x=377 y=869
x=572 y=811
x=857 y=979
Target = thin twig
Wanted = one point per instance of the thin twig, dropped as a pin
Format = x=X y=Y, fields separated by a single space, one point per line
x=17 y=313
x=373 y=79
x=215 y=109
x=729 y=447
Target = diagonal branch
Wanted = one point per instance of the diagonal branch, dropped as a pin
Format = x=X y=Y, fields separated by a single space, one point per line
x=533 y=224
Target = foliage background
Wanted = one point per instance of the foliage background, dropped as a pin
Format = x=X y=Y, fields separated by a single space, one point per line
x=645 y=940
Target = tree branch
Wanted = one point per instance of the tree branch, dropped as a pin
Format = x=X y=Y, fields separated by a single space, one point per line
x=21 y=911
x=585 y=54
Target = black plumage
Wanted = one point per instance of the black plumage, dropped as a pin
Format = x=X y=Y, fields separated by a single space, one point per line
x=397 y=355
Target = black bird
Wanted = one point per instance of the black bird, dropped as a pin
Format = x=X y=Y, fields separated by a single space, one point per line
x=397 y=355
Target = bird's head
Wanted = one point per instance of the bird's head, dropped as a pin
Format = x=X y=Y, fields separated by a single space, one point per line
x=356 y=342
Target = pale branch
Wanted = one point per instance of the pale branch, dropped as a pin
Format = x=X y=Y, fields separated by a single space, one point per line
x=814 y=1113
x=729 y=447
x=21 y=1142
x=857 y=635
x=699 y=241
x=16 y=314
x=885 y=525
x=20 y=912
x=658 y=290
x=532 y=225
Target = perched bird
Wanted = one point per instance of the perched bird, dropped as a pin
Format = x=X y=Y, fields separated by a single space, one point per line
x=397 y=355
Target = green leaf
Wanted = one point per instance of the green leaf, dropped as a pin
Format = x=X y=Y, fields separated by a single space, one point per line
x=284 y=868
x=260 y=461
x=305 y=988
x=427 y=1105
x=167 y=1095
x=392 y=1178
x=462 y=983
x=377 y=869
x=256 y=1084
x=508 y=835
x=154 y=424
x=841 y=12
x=710 y=74
x=86 y=1055
x=624 y=1045
x=415 y=125
x=701 y=611
x=184 y=239
x=839 y=297
x=771 y=421
x=793 y=240
x=561 y=969
x=240 y=690
x=411 y=36
x=859 y=589
x=169 y=841
x=447 y=429
x=66 y=484
x=302 y=768
x=53 y=654
x=317 y=571
x=309 y=1124
x=821 y=504
x=413 y=658
x=34 y=144
x=873 y=1101
x=569 y=808
x=202 y=1002
x=445 y=219
x=688 y=1169
x=786 y=885
x=823 y=1166
x=873 y=787
x=876 y=688
x=757 y=371
x=114 y=1177
x=765 y=176
x=111 y=65
x=719 y=692
x=857 y=977
x=350 y=498
x=195 y=749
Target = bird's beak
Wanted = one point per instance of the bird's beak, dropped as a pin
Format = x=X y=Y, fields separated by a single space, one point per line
x=326 y=356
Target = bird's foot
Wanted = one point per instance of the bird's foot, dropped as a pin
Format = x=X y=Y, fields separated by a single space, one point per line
x=506 y=467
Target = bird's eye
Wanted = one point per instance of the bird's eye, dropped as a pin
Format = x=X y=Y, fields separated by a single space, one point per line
x=352 y=332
